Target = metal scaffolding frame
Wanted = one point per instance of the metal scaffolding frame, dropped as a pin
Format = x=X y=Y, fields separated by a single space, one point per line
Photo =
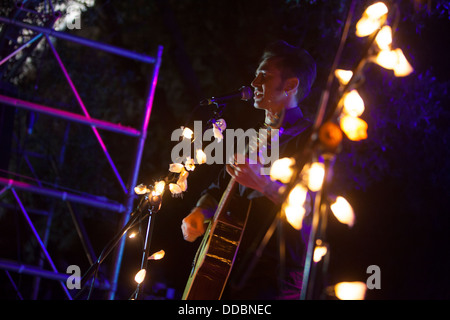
x=11 y=185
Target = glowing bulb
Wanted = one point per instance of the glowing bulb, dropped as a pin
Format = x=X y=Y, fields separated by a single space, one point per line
x=200 y=156
x=319 y=252
x=182 y=180
x=371 y=20
x=376 y=10
x=343 y=211
x=132 y=235
x=343 y=76
x=141 y=189
x=217 y=132
x=157 y=255
x=282 y=170
x=175 y=189
x=350 y=290
x=402 y=68
x=354 y=128
x=294 y=208
x=353 y=103
x=140 y=276
x=189 y=164
x=387 y=59
x=187 y=133
x=316 y=173
x=159 y=188
x=384 y=38
x=176 y=167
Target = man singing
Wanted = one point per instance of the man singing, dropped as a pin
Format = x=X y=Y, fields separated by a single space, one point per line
x=282 y=80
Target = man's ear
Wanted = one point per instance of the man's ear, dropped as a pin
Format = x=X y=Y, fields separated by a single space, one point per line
x=291 y=84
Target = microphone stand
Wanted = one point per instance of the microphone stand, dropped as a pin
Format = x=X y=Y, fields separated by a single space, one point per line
x=155 y=205
x=136 y=216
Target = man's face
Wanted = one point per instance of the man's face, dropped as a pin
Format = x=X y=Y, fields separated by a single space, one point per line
x=268 y=87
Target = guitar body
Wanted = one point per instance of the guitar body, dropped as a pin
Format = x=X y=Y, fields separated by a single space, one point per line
x=217 y=252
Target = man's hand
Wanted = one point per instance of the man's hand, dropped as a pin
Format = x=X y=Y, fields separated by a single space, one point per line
x=249 y=175
x=193 y=225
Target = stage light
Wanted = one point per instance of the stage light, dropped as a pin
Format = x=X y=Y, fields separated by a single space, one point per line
x=353 y=103
x=316 y=173
x=343 y=76
x=282 y=170
x=140 y=276
x=355 y=290
x=372 y=19
x=157 y=255
x=384 y=38
x=294 y=208
x=354 y=128
x=343 y=211
x=132 y=235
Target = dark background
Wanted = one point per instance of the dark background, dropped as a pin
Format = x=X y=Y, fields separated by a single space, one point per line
x=396 y=180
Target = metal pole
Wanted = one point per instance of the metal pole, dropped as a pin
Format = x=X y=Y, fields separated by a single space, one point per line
x=83 y=108
x=14 y=102
x=41 y=244
x=97 y=202
x=82 y=41
x=134 y=176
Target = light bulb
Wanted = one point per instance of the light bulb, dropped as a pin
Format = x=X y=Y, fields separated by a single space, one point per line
x=355 y=290
x=353 y=103
x=157 y=255
x=141 y=189
x=371 y=20
x=200 y=156
x=387 y=59
x=343 y=76
x=343 y=211
x=402 y=68
x=384 y=38
x=187 y=133
x=319 y=252
x=282 y=170
x=175 y=189
x=159 y=188
x=354 y=128
x=140 y=276
x=294 y=208
x=316 y=174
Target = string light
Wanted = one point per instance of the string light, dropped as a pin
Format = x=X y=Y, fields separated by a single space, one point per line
x=384 y=38
x=187 y=133
x=319 y=251
x=140 y=276
x=200 y=156
x=372 y=19
x=159 y=188
x=354 y=128
x=157 y=255
x=282 y=170
x=182 y=180
x=353 y=103
x=316 y=173
x=343 y=76
x=355 y=290
x=343 y=211
x=294 y=209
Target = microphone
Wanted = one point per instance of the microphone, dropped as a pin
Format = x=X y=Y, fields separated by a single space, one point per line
x=244 y=93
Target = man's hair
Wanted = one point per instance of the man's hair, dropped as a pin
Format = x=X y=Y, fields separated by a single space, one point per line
x=293 y=62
